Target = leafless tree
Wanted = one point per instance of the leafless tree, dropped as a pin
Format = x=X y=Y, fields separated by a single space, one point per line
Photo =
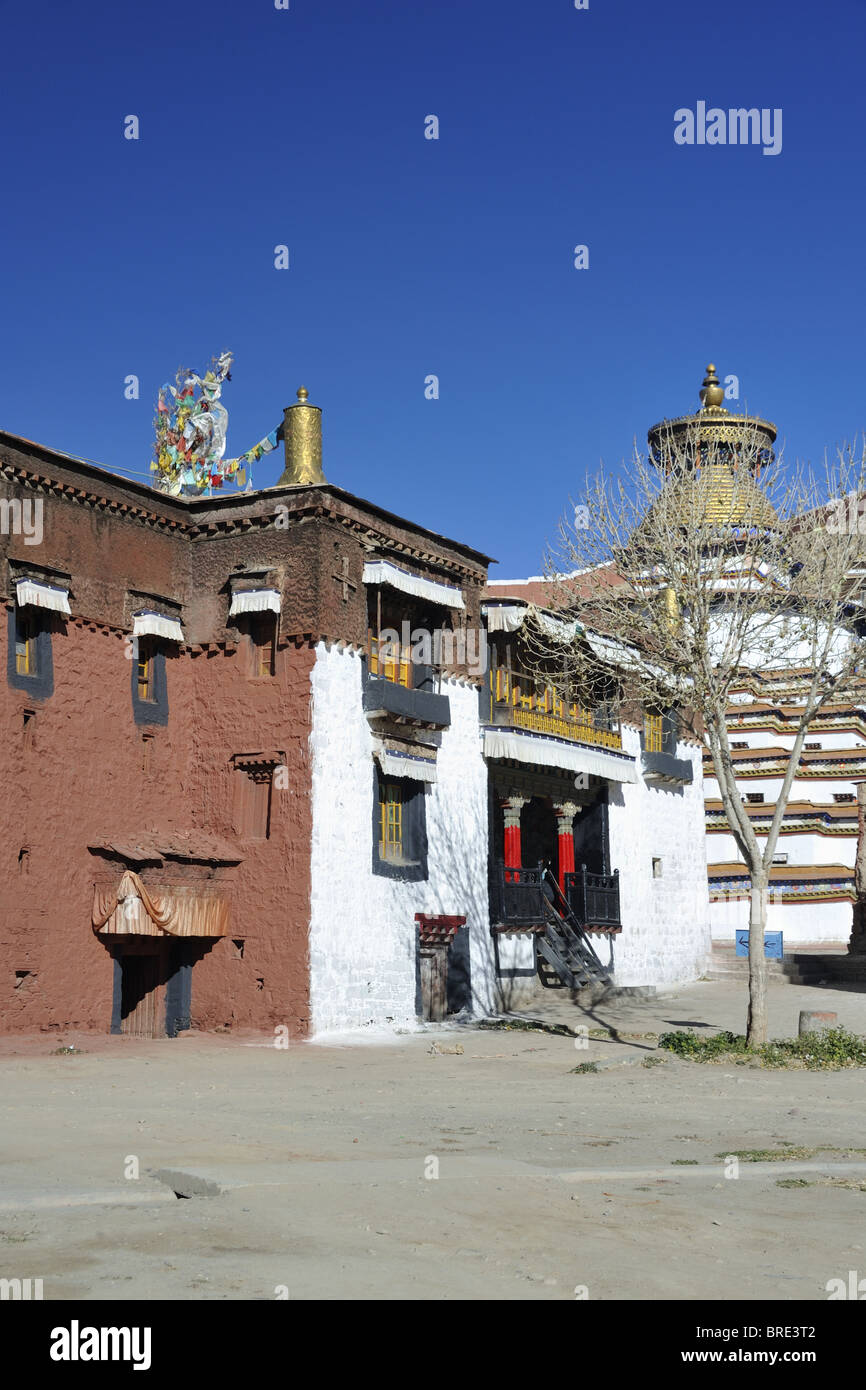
x=703 y=560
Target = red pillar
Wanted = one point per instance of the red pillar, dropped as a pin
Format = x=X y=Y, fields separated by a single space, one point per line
x=565 y=814
x=511 y=809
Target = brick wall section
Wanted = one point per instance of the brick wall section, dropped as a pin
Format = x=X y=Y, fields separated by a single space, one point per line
x=75 y=779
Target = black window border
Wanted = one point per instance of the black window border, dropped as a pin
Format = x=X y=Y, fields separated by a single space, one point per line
x=41 y=684
x=153 y=711
x=414 y=830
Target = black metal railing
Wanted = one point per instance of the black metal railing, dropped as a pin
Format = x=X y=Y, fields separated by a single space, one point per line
x=518 y=896
x=594 y=898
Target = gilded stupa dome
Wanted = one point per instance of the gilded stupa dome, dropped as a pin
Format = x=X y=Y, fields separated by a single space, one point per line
x=711 y=459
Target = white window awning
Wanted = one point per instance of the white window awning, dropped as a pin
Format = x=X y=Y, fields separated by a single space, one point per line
x=255 y=601
x=151 y=624
x=395 y=764
x=38 y=595
x=503 y=617
x=381 y=572
x=554 y=752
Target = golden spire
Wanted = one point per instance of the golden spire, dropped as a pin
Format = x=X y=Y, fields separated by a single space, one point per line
x=711 y=392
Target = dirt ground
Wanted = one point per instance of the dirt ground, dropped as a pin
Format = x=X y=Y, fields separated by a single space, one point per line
x=375 y=1168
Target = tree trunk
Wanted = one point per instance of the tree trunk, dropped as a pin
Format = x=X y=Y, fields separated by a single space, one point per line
x=756 y=1027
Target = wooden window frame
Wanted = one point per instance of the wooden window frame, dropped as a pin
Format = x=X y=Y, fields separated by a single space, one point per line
x=262 y=639
x=410 y=824
x=144 y=670
x=26 y=651
x=390 y=819
x=653 y=732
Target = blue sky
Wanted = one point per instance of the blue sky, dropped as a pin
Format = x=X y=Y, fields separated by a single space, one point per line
x=411 y=257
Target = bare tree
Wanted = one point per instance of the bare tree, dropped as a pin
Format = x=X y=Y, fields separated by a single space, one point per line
x=704 y=559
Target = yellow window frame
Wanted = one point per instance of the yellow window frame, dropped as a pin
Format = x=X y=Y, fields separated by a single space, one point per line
x=144 y=670
x=652 y=733
x=390 y=820
x=25 y=645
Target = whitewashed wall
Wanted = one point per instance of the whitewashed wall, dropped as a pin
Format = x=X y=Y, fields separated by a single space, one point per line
x=665 y=935
x=819 y=790
x=770 y=738
x=362 y=926
x=800 y=849
x=802 y=924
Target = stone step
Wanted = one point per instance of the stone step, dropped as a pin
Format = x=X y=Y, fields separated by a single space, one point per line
x=800 y=967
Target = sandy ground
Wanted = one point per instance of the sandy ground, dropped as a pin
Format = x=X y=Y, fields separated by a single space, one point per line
x=377 y=1169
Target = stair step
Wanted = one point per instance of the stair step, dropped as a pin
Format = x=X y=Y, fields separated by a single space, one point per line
x=800 y=967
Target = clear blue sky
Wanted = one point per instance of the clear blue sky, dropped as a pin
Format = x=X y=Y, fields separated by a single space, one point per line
x=410 y=256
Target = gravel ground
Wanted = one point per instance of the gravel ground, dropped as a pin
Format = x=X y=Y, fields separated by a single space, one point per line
x=395 y=1166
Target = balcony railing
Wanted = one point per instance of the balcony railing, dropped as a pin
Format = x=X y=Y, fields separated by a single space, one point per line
x=519 y=702
x=517 y=896
x=594 y=899
x=401 y=688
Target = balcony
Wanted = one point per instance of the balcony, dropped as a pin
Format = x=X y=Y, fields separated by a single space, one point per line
x=658 y=751
x=664 y=767
x=594 y=900
x=517 y=897
x=519 y=702
x=404 y=689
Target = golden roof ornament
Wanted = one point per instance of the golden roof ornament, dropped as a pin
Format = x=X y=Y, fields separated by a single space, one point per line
x=711 y=392
x=699 y=453
x=302 y=439
x=712 y=427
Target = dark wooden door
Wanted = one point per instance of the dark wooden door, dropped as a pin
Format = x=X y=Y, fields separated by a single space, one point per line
x=140 y=996
x=434 y=982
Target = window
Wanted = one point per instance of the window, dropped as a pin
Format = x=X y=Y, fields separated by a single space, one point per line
x=389 y=661
x=780 y=857
x=754 y=798
x=254 y=781
x=741 y=744
x=390 y=820
x=399 y=828
x=812 y=747
x=652 y=733
x=657 y=868
x=25 y=645
x=842 y=797
x=149 y=686
x=263 y=633
x=144 y=669
x=29 y=664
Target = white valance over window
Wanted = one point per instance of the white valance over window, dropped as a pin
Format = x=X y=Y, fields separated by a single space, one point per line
x=395 y=764
x=255 y=601
x=151 y=624
x=381 y=572
x=39 y=595
x=504 y=617
x=552 y=752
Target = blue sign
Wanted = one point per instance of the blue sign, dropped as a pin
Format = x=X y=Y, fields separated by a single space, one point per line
x=772 y=944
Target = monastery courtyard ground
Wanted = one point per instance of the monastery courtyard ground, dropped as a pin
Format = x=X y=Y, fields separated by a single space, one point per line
x=321 y=1162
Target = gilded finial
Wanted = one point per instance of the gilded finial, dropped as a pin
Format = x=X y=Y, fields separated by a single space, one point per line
x=711 y=392
x=302 y=437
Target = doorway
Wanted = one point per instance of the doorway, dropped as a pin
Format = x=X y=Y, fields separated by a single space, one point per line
x=539 y=836
x=143 y=967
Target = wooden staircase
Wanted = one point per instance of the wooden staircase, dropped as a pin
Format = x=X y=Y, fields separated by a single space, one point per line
x=565 y=957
